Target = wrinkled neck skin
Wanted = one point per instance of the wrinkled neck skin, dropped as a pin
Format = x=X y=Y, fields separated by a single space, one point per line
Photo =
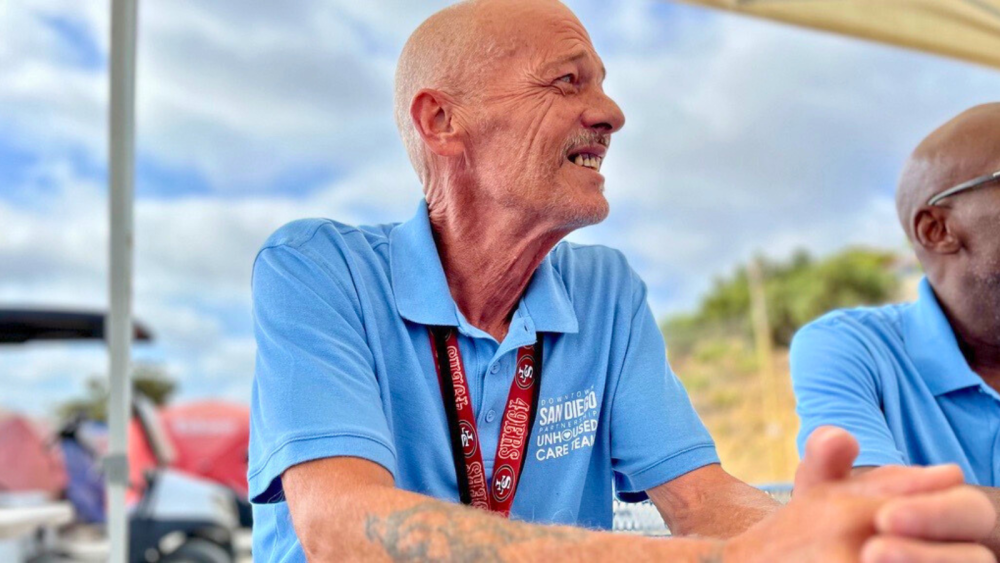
x=489 y=252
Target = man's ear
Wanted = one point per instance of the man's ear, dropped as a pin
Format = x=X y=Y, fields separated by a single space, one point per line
x=934 y=229
x=433 y=115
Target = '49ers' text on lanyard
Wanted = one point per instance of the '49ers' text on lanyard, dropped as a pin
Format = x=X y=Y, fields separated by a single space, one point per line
x=515 y=427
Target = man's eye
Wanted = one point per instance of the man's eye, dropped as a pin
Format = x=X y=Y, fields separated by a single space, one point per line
x=567 y=78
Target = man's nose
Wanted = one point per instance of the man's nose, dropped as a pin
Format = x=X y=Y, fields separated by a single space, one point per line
x=604 y=114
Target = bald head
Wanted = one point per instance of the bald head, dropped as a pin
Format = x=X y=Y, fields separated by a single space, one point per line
x=453 y=52
x=966 y=147
x=958 y=240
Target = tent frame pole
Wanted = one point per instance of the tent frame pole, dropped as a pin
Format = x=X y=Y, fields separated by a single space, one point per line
x=119 y=326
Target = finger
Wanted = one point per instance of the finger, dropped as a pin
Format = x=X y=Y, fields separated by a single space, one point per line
x=830 y=451
x=958 y=514
x=883 y=549
x=901 y=480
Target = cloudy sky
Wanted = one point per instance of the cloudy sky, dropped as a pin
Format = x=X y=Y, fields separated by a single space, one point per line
x=742 y=137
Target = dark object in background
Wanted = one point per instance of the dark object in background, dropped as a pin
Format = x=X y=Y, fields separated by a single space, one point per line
x=85 y=489
x=21 y=325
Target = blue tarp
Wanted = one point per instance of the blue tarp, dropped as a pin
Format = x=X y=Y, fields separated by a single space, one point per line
x=85 y=489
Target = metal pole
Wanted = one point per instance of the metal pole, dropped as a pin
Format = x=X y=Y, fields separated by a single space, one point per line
x=119 y=325
x=765 y=367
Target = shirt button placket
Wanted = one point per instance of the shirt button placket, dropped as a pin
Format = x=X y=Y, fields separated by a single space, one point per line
x=491 y=415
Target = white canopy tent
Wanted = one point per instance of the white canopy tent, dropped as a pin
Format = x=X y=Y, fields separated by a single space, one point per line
x=963 y=29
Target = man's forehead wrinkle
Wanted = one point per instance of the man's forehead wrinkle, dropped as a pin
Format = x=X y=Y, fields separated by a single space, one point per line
x=555 y=62
x=572 y=50
x=569 y=31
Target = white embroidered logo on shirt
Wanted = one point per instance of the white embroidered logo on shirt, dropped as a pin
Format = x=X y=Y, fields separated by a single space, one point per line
x=566 y=424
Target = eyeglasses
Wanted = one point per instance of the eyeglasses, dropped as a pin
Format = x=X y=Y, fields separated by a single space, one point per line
x=970 y=185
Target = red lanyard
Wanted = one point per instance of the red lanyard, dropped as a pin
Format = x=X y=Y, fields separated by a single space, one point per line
x=515 y=426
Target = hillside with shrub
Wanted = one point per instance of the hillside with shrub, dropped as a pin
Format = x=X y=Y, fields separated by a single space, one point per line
x=738 y=377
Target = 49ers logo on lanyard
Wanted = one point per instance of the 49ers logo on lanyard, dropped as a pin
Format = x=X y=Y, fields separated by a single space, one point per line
x=470 y=441
x=525 y=374
x=515 y=427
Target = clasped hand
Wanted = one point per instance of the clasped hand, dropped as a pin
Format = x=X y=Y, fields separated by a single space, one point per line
x=892 y=514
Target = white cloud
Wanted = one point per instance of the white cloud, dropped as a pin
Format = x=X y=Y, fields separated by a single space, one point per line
x=192 y=261
x=55 y=250
x=37 y=377
x=245 y=95
x=47 y=100
x=45 y=361
x=238 y=95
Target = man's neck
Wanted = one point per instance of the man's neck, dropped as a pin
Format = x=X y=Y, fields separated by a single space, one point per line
x=983 y=358
x=978 y=341
x=489 y=256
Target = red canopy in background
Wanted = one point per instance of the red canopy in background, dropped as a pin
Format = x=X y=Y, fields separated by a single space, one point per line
x=27 y=462
x=210 y=439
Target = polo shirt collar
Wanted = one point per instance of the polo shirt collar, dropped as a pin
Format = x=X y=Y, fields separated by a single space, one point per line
x=547 y=302
x=421 y=288
x=932 y=346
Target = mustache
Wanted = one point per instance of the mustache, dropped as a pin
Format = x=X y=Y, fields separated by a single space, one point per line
x=587 y=138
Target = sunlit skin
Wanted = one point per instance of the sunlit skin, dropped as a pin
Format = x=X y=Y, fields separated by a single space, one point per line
x=492 y=96
x=545 y=99
x=500 y=188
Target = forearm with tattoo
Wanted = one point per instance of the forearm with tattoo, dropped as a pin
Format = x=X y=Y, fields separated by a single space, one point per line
x=437 y=532
x=345 y=509
x=434 y=531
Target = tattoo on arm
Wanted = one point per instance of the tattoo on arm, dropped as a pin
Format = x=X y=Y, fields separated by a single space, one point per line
x=433 y=531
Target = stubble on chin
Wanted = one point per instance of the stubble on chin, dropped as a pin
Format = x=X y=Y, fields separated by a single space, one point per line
x=550 y=200
x=575 y=214
x=988 y=287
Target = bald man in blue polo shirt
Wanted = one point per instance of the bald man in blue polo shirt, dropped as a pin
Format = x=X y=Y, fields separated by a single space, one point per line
x=467 y=356
x=917 y=383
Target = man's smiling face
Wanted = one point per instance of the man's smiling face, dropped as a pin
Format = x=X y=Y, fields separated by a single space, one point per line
x=542 y=125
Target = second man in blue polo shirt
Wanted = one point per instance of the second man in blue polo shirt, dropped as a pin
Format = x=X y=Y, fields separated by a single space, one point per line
x=917 y=383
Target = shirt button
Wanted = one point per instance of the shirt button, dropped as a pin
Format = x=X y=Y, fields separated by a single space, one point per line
x=495 y=367
x=491 y=414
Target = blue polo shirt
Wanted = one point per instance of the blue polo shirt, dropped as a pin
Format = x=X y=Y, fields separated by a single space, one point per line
x=344 y=368
x=895 y=377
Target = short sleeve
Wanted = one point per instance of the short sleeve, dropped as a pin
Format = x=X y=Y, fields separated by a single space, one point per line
x=835 y=383
x=656 y=435
x=315 y=392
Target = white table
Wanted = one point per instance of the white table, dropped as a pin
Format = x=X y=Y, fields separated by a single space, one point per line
x=15 y=522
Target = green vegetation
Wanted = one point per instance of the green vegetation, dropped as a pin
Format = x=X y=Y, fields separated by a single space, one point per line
x=712 y=351
x=797 y=291
x=149 y=380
